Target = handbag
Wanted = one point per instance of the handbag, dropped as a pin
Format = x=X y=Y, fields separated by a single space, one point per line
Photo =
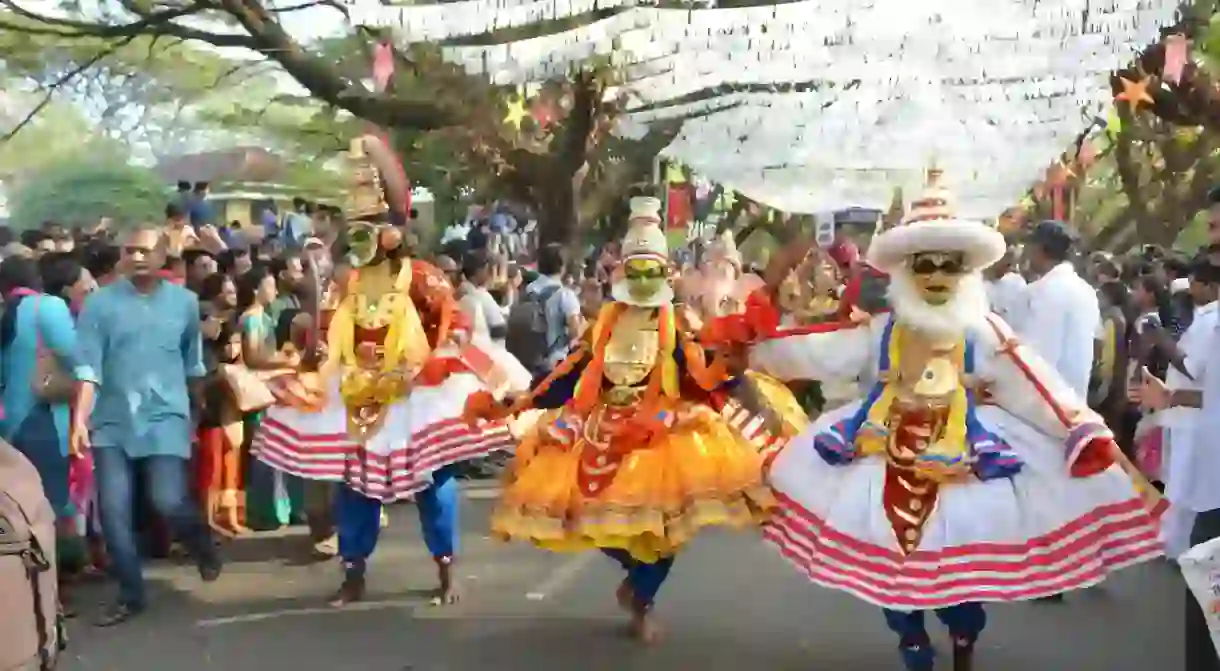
x=249 y=389
x=51 y=382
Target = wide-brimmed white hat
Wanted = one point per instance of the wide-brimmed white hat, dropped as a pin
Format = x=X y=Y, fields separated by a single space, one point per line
x=930 y=226
x=644 y=240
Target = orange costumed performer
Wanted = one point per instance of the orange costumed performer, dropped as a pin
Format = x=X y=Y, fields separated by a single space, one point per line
x=631 y=458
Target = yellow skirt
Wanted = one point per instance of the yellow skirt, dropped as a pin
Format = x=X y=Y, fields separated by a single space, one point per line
x=700 y=473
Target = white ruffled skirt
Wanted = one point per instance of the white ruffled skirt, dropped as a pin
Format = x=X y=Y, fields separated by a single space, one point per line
x=1039 y=533
x=418 y=435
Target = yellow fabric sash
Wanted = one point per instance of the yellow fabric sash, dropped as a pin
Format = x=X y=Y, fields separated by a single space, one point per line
x=406 y=343
x=870 y=442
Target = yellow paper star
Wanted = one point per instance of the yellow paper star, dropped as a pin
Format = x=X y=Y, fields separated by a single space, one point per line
x=516 y=112
x=1135 y=93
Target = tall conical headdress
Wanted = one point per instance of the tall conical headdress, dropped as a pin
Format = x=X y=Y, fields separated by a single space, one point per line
x=930 y=225
x=379 y=185
x=365 y=195
x=644 y=238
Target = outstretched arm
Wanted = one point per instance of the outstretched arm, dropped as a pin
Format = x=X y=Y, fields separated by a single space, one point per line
x=1028 y=388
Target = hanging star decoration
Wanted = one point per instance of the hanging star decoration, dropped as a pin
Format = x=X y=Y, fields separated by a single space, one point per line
x=1135 y=93
x=516 y=111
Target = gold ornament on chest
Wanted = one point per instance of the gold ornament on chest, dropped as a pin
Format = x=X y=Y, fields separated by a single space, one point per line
x=631 y=354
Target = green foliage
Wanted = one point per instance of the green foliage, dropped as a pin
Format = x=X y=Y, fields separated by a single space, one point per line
x=1194 y=235
x=79 y=192
x=148 y=90
x=58 y=132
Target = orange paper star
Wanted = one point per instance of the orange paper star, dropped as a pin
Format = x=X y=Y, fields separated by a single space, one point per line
x=1135 y=93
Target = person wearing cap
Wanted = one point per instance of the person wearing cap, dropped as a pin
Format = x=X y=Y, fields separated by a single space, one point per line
x=630 y=458
x=969 y=472
x=381 y=413
x=1060 y=318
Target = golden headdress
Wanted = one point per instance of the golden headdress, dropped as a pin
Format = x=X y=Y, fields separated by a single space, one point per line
x=366 y=195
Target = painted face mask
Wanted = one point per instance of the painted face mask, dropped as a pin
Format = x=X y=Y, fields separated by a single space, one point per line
x=361 y=244
x=937 y=275
x=645 y=278
x=367 y=243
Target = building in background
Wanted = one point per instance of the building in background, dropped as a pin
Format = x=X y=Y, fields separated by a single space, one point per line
x=244 y=182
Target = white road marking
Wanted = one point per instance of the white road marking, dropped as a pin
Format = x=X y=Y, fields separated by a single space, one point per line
x=388 y=604
x=561 y=577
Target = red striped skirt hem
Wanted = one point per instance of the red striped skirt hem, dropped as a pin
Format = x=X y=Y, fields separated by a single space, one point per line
x=1078 y=554
x=387 y=477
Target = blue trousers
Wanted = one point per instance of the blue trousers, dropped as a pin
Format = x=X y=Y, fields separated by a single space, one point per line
x=359 y=520
x=645 y=579
x=964 y=621
x=167 y=481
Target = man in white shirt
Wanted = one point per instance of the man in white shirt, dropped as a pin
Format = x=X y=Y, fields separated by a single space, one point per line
x=485 y=314
x=1005 y=287
x=1060 y=318
x=1189 y=357
x=1196 y=489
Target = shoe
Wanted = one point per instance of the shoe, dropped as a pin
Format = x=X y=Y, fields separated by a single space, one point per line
x=117 y=614
x=210 y=567
x=918 y=655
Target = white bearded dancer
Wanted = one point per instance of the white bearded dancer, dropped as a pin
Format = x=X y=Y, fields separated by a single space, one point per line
x=968 y=473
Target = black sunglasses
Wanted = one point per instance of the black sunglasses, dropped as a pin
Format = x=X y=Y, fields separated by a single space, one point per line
x=927 y=266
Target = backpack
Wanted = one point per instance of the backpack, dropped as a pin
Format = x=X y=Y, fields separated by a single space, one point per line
x=525 y=336
x=32 y=635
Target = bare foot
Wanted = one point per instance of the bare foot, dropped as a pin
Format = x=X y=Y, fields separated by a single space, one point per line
x=447 y=596
x=625 y=595
x=448 y=593
x=644 y=628
x=351 y=591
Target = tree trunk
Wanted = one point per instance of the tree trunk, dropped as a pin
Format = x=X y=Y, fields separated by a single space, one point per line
x=556 y=206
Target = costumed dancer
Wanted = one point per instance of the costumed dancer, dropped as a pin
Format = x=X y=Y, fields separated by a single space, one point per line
x=631 y=459
x=968 y=473
x=760 y=407
x=719 y=285
x=383 y=415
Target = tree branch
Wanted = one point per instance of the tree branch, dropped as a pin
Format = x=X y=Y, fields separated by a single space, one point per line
x=270 y=39
x=150 y=23
x=62 y=80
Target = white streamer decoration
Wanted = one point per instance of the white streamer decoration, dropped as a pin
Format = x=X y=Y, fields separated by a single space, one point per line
x=843 y=99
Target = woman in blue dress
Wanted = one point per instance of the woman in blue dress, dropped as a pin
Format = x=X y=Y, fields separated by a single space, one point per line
x=33 y=322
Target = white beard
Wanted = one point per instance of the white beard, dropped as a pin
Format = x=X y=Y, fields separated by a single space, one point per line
x=966 y=308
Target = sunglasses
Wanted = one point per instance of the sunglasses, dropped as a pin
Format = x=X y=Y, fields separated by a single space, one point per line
x=926 y=265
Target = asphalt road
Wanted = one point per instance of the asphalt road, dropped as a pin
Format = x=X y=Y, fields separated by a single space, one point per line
x=730 y=604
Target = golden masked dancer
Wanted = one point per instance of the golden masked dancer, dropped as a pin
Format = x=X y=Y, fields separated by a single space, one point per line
x=758 y=406
x=968 y=472
x=632 y=458
x=383 y=414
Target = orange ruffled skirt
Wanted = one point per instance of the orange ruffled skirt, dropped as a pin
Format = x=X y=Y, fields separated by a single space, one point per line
x=700 y=473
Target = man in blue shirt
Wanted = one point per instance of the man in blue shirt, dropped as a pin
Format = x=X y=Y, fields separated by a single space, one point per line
x=199 y=208
x=139 y=346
